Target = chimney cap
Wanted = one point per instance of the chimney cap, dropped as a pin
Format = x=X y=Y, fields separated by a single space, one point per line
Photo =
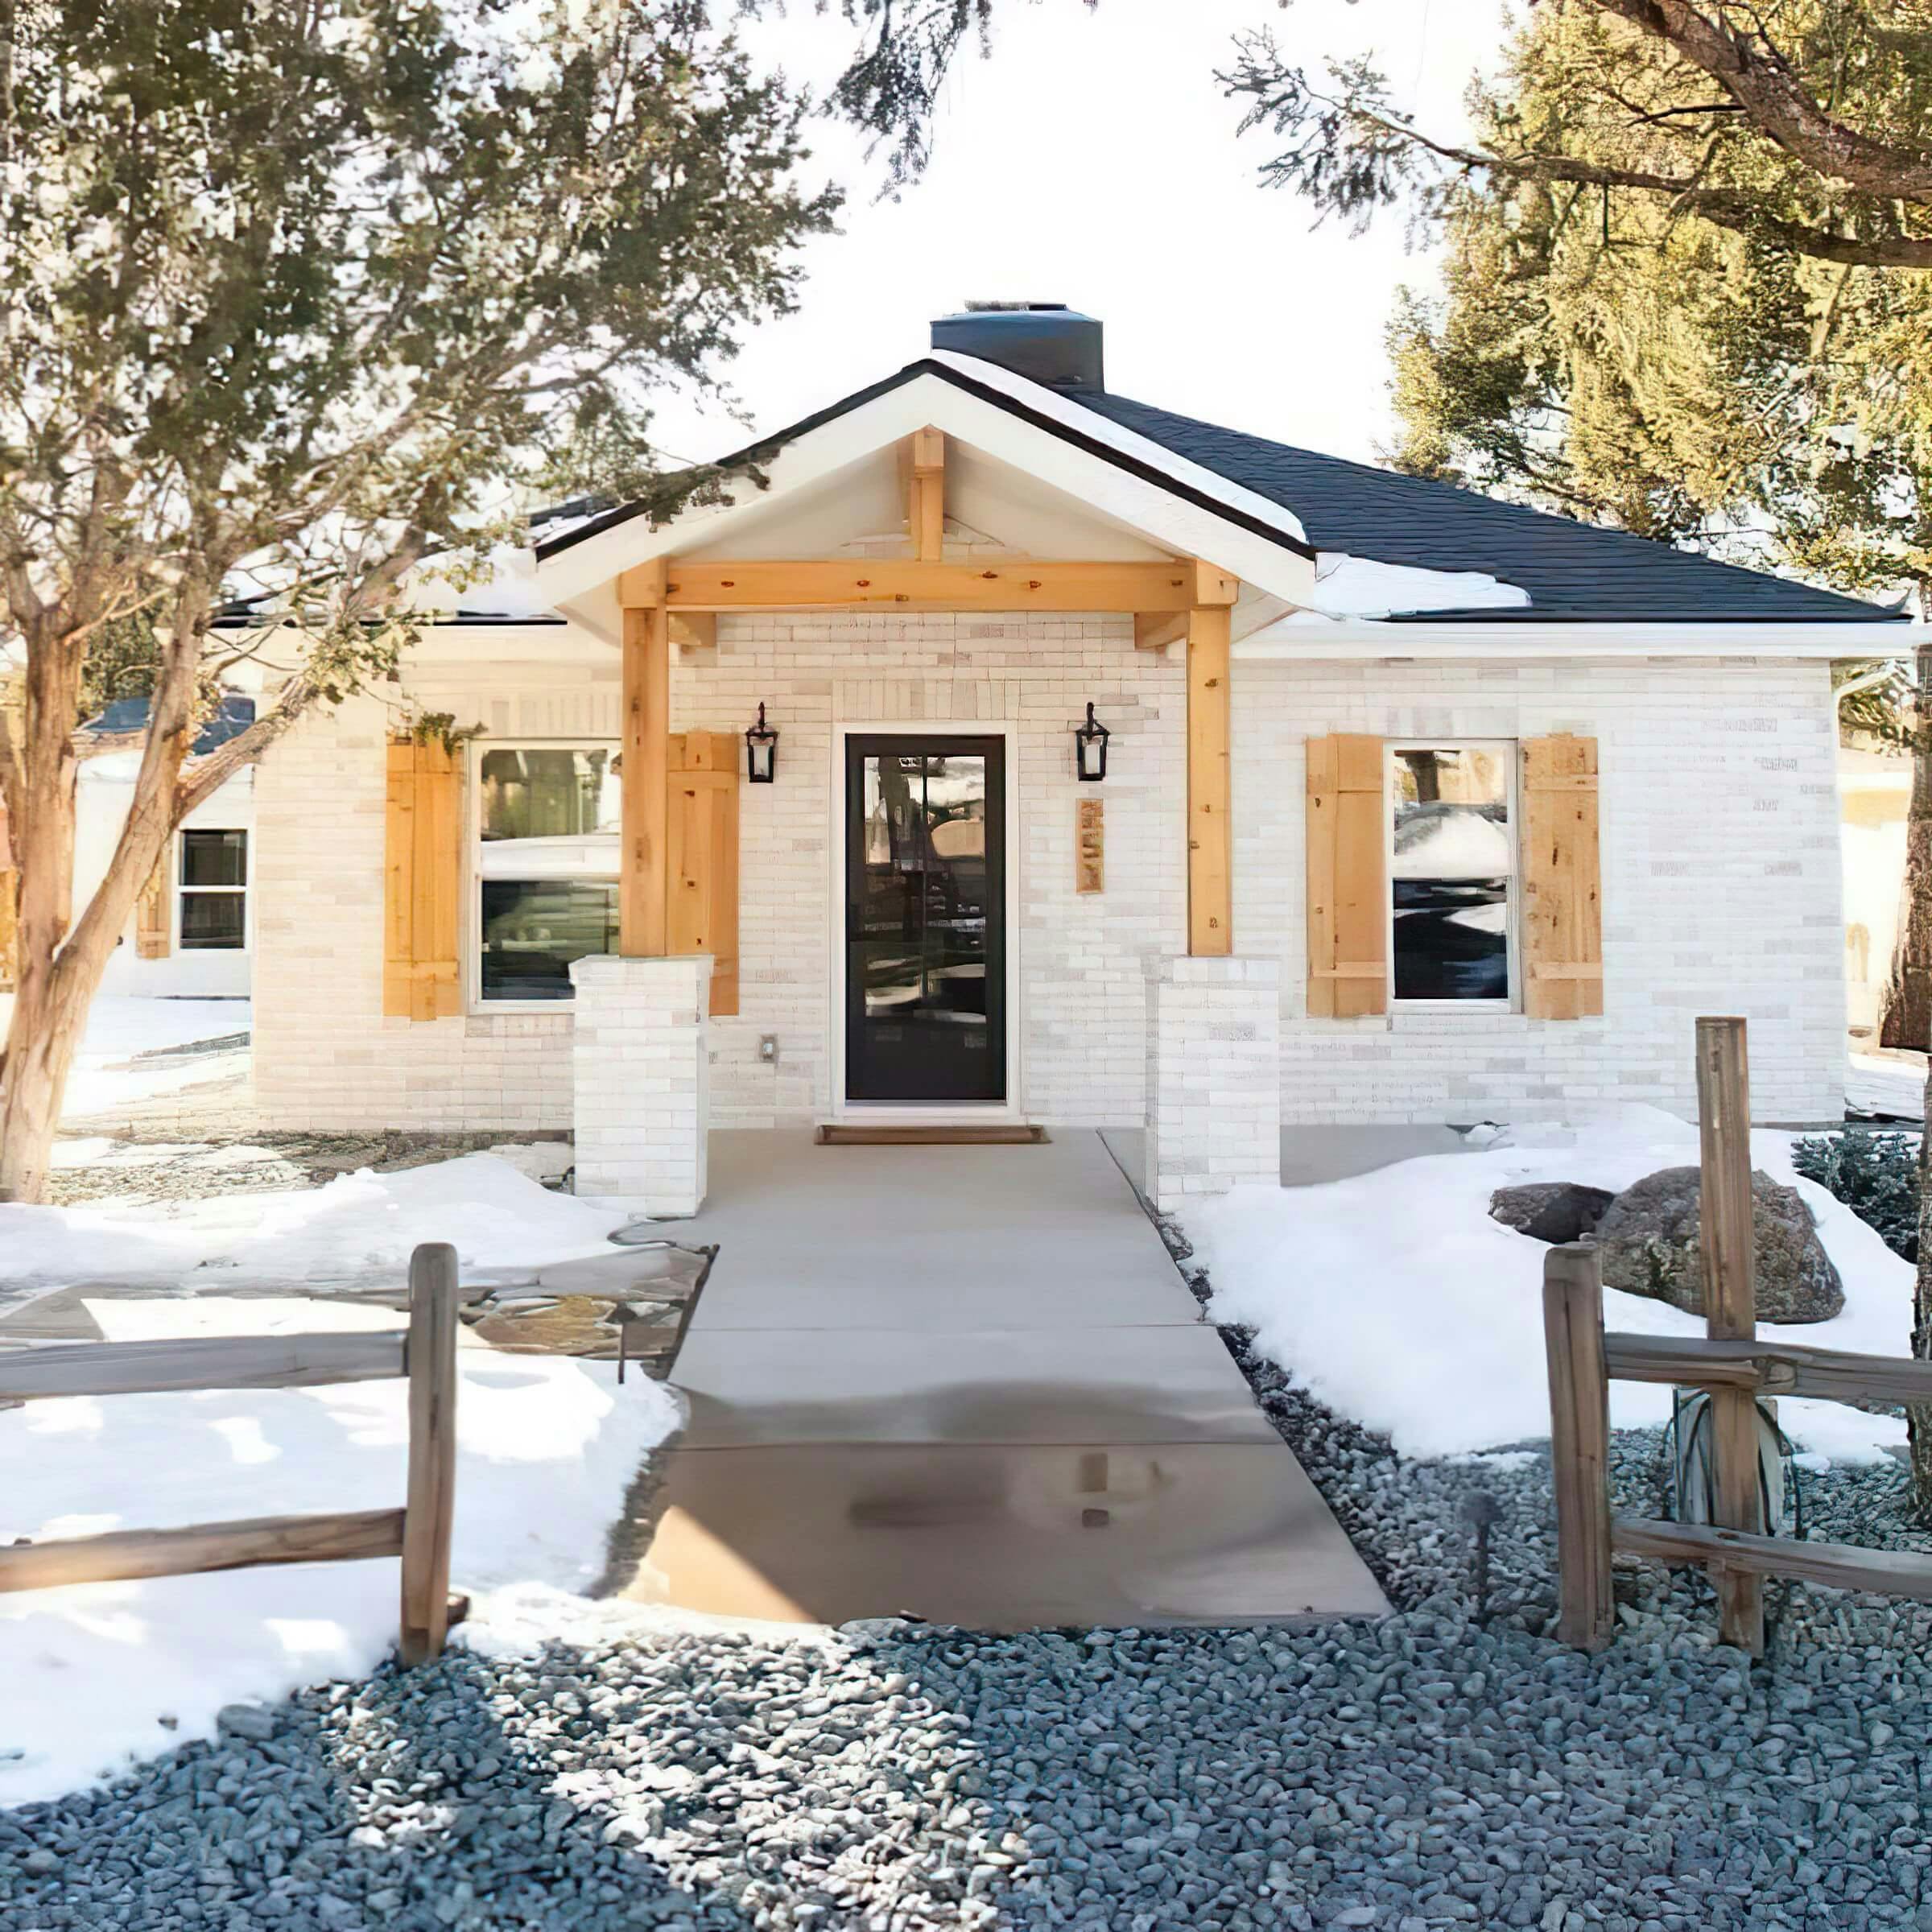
x=1046 y=342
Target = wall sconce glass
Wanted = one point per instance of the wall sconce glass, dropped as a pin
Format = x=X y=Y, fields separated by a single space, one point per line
x=761 y=750
x=1090 y=748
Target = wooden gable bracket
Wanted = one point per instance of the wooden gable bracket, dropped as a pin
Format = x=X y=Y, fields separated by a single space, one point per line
x=1156 y=629
x=697 y=584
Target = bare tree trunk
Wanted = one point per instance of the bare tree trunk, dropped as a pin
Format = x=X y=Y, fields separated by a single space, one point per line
x=1905 y=1008
x=1917 y=937
x=61 y=961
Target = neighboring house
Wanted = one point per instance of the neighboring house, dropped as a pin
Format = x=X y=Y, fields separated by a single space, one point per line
x=191 y=936
x=1417 y=806
x=1875 y=788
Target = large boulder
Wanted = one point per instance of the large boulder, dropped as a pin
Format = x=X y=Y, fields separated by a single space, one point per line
x=1649 y=1240
x=1550 y=1211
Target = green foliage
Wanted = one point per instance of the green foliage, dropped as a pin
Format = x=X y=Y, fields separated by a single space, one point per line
x=1650 y=320
x=318 y=289
x=1876 y=1175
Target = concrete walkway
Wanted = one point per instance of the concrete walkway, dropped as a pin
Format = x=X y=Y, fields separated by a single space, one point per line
x=967 y=1384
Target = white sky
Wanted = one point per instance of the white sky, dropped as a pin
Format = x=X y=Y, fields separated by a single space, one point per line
x=1093 y=160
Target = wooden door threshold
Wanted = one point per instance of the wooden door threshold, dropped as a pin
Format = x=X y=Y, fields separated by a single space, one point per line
x=850 y=1136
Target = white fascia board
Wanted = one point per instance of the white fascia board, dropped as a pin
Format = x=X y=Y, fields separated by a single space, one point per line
x=1298 y=640
x=1143 y=506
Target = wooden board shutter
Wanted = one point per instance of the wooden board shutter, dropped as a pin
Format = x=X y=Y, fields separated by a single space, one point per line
x=701 y=857
x=423 y=869
x=1562 y=890
x=154 y=925
x=1347 y=877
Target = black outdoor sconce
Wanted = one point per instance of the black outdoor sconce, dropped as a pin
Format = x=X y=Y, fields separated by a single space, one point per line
x=761 y=750
x=1090 y=748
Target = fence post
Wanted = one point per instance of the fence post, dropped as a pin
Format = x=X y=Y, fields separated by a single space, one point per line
x=1579 y=1444
x=431 y=1361
x=1728 y=1236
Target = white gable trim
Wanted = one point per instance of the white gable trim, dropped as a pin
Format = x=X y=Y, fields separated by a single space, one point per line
x=1144 y=505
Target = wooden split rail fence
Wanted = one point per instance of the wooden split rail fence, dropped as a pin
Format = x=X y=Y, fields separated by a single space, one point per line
x=1737 y=1367
x=419 y=1531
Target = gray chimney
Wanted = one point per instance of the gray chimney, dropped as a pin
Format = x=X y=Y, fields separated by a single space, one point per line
x=1045 y=341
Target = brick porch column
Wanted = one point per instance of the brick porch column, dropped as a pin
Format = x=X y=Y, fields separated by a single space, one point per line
x=641 y=1060
x=1214 y=1077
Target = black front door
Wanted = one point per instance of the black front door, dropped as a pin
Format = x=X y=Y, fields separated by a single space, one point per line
x=925 y=918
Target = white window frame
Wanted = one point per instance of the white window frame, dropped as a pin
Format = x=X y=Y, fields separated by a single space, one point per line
x=472 y=938
x=1508 y=752
x=245 y=890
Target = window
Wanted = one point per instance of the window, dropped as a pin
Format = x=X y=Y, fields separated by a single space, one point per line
x=214 y=891
x=1452 y=872
x=548 y=819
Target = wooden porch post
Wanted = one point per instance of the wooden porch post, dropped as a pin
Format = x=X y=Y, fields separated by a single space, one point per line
x=643 y=869
x=1209 y=857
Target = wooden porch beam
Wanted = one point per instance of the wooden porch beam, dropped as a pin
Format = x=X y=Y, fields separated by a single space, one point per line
x=1210 y=831
x=762 y=584
x=643 y=869
x=926 y=497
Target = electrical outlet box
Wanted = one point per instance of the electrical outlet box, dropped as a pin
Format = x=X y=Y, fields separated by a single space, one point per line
x=768 y=1047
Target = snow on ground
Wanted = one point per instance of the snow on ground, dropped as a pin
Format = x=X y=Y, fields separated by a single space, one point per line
x=120 y=1027
x=99 y=1673
x=547 y=1448
x=1397 y=1300
x=1893 y=1084
x=361 y=1224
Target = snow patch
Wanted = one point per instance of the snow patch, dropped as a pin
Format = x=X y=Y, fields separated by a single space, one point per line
x=100 y=1675
x=360 y=1225
x=1394 y=1299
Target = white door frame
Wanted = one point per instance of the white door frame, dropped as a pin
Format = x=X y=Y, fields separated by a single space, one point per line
x=917 y=1112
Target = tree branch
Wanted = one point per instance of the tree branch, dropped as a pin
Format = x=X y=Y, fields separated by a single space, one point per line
x=1763 y=83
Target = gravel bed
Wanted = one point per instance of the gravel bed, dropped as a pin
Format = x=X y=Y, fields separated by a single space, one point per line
x=1430 y=1770
x=253 y=1162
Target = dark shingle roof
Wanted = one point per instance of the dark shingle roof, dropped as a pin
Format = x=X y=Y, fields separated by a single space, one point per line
x=1572 y=571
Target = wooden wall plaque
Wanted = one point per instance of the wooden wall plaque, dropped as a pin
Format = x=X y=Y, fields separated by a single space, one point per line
x=1090 y=846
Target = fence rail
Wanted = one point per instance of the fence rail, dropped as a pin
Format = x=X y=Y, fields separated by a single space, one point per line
x=1736 y=1367
x=418 y=1532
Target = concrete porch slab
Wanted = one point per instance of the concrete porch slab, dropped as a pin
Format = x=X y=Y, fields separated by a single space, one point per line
x=1001 y=1539
x=1310 y=1155
x=748 y=1387
x=937 y=1240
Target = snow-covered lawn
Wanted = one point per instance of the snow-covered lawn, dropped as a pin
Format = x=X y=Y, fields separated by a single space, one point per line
x=121 y=1026
x=1890 y=1084
x=97 y=1674
x=1397 y=1300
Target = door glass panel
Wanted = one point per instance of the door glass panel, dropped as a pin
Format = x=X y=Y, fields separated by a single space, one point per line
x=924 y=925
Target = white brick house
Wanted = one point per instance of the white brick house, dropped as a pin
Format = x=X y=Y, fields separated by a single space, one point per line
x=1417 y=806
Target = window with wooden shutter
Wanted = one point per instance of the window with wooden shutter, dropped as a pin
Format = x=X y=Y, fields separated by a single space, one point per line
x=702 y=856
x=423 y=875
x=152 y=926
x=1563 y=910
x=1347 y=877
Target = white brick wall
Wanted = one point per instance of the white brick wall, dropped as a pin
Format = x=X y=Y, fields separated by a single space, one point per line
x=1214 y=1087
x=1720 y=879
x=1721 y=887
x=1081 y=958
x=643 y=1075
x=324 y=1054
